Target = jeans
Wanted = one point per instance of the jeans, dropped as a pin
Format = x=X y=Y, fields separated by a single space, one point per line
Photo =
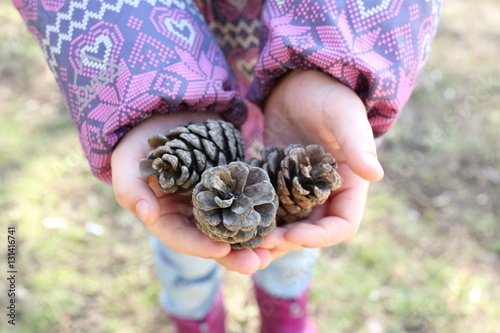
x=190 y=284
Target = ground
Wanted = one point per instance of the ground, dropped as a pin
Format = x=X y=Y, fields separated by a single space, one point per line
x=426 y=258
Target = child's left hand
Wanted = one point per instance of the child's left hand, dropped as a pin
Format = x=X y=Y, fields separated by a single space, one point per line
x=169 y=216
x=310 y=107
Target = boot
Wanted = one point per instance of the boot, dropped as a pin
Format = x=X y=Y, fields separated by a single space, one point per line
x=284 y=315
x=212 y=323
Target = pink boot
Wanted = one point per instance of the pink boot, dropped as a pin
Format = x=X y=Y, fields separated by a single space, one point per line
x=212 y=323
x=284 y=315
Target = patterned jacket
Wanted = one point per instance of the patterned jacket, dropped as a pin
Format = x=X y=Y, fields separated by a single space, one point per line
x=118 y=61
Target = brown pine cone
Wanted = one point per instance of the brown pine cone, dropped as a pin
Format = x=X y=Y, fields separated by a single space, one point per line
x=236 y=204
x=302 y=177
x=181 y=156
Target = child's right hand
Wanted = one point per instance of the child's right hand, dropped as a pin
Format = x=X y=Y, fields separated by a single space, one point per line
x=169 y=216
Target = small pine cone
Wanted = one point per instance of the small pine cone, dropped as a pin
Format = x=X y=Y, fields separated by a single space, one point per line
x=236 y=204
x=302 y=177
x=181 y=156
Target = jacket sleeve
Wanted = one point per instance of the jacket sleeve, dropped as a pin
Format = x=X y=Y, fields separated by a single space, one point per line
x=376 y=48
x=117 y=62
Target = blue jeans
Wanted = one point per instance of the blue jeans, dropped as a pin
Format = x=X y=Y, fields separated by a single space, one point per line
x=190 y=284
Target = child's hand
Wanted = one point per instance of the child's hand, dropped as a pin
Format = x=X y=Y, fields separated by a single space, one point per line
x=170 y=216
x=310 y=107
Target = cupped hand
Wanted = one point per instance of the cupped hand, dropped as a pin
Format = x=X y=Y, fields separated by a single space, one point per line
x=310 y=107
x=170 y=216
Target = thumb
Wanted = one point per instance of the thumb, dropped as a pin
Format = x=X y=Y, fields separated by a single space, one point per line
x=348 y=122
x=361 y=156
x=131 y=189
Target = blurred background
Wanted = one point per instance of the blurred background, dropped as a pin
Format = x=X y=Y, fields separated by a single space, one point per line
x=426 y=259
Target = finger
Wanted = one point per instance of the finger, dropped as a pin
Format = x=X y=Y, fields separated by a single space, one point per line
x=180 y=234
x=277 y=242
x=272 y=240
x=348 y=124
x=130 y=187
x=343 y=216
x=265 y=257
x=243 y=261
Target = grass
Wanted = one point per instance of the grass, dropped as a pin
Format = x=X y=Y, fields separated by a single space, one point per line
x=425 y=260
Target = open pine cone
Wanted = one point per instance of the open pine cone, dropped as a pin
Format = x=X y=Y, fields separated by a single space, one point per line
x=181 y=156
x=236 y=204
x=302 y=177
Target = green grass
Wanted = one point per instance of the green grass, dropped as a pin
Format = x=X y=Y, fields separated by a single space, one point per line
x=425 y=259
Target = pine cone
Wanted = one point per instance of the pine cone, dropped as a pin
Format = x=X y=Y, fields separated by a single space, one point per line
x=302 y=177
x=181 y=156
x=235 y=204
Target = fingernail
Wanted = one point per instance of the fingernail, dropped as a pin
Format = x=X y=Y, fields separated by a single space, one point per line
x=142 y=209
x=374 y=163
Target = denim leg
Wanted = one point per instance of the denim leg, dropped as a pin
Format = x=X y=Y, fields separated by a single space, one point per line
x=289 y=276
x=189 y=284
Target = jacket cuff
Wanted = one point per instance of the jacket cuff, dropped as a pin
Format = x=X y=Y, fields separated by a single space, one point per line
x=376 y=50
x=116 y=64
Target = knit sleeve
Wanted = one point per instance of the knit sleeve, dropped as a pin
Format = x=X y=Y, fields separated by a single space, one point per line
x=377 y=48
x=117 y=62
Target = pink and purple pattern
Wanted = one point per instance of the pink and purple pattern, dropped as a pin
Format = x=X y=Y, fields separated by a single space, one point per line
x=119 y=61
